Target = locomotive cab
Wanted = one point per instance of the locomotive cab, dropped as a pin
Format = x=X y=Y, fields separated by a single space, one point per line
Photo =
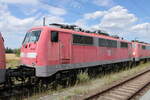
x=28 y=50
x=44 y=49
x=33 y=50
x=2 y=60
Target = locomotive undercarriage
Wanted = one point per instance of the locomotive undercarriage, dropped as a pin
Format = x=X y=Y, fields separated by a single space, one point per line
x=27 y=75
x=19 y=75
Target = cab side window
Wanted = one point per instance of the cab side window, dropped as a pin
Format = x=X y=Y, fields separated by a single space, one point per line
x=54 y=36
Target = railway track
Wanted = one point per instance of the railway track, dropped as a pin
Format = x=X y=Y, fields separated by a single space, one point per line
x=124 y=90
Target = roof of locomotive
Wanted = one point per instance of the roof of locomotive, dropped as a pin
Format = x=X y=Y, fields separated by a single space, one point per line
x=141 y=43
x=80 y=33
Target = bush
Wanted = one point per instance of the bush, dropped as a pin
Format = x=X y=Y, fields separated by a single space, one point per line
x=83 y=77
x=17 y=52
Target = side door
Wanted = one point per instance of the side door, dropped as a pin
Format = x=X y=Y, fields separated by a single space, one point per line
x=65 y=40
x=130 y=50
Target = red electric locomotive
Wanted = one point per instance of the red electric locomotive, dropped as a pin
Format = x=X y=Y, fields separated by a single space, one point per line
x=2 y=60
x=141 y=51
x=49 y=50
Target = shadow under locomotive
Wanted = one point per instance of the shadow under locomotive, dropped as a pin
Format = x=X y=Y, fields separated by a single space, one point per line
x=19 y=81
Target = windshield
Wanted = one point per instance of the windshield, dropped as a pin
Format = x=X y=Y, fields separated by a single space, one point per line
x=32 y=36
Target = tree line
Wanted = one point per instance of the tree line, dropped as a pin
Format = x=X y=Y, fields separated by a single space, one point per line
x=10 y=50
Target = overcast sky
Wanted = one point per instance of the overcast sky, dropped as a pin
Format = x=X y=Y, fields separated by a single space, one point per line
x=127 y=18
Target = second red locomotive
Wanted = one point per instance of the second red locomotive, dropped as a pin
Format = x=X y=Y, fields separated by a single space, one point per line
x=141 y=51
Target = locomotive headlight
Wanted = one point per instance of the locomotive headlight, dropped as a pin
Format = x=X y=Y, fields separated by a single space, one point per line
x=31 y=55
x=133 y=53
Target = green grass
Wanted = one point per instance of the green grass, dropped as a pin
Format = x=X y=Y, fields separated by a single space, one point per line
x=83 y=77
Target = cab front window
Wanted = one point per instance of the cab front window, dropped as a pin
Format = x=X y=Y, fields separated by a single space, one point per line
x=32 y=36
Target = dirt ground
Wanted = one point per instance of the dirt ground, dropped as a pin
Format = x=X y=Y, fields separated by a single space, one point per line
x=12 y=60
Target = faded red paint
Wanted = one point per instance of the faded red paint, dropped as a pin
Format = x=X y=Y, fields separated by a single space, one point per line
x=2 y=53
